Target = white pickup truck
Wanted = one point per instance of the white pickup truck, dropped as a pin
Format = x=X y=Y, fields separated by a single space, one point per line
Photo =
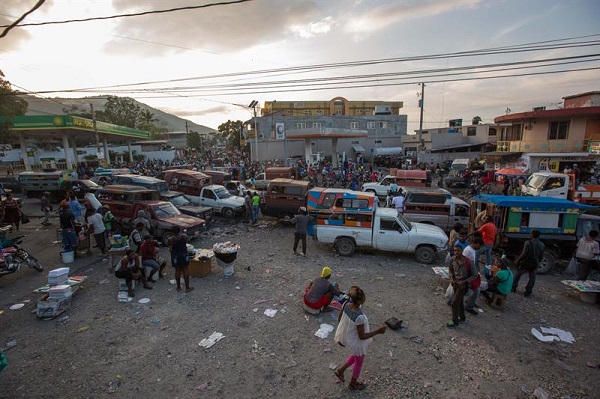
x=218 y=198
x=390 y=232
x=381 y=189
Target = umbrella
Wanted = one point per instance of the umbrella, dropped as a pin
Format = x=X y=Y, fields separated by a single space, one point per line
x=510 y=172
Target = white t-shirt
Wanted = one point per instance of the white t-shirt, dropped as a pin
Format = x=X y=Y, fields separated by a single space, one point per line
x=398 y=203
x=470 y=253
x=97 y=223
x=587 y=249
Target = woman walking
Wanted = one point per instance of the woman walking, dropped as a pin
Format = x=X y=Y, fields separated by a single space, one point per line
x=180 y=258
x=353 y=332
x=11 y=210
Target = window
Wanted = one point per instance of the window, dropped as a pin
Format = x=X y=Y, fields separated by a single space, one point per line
x=492 y=131
x=301 y=125
x=389 y=224
x=306 y=112
x=291 y=190
x=471 y=131
x=208 y=194
x=425 y=132
x=317 y=125
x=354 y=125
x=558 y=130
x=371 y=125
x=328 y=201
x=319 y=112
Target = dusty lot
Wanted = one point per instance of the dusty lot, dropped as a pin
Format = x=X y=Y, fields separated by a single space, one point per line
x=134 y=350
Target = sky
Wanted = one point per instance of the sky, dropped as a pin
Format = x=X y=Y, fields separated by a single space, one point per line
x=210 y=63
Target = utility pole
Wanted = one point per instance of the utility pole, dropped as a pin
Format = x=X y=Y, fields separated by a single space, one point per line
x=96 y=132
x=253 y=105
x=421 y=105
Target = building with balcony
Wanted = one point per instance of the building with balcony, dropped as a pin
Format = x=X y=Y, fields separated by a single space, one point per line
x=447 y=143
x=336 y=129
x=551 y=140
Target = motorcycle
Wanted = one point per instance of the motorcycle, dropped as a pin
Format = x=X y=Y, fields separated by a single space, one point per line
x=12 y=255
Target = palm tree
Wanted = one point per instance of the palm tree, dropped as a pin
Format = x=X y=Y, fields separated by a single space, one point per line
x=476 y=120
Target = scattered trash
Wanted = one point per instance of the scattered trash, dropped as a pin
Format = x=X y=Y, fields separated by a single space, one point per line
x=564 y=336
x=64 y=319
x=401 y=275
x=172 y=282
x=324 y=330
x=237 y=287
x=542 y=337
x=393 y=323
x=379 y=278
x=541 y=393
x=525 y=390
x=27 y=300
x=255 y=310
x=144 y=300
x=332 y=366
x=103 y=281
x=417 y=339
x=202 y=387
x=261 y=301
x=155 y=321
x=211 y=340
x=11 y=344
x=327 y=350
x=2 y=312
x=83 y=329
x=592 y=365
x=17 y=306
x=270 y=312
x=564 y=365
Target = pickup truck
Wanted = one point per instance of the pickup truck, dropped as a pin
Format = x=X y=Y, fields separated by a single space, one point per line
x=260 y=181
x=218 y=198
x=560 y=185
x=186 y=207
x=434 y=206
x=389 y=232
x=164 y=217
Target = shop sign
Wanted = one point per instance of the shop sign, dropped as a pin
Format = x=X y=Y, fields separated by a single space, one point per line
x=594 y=147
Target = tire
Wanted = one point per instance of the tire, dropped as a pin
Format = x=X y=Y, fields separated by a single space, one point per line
x=345 y=246
x=426 y=255
x=167 y=235
x=228 y=213
x=548 y=262
x=34 y=263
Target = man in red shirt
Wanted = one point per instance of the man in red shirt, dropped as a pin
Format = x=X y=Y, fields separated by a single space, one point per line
x=150 y=257
x=488 y=233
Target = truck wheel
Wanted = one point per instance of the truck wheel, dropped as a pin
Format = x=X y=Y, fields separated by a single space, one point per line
x=548 y=262
x=345 y=246
x=425 y=255
x=228 y=213
x=166 y=237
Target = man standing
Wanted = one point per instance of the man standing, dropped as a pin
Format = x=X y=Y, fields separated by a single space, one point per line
x=255 y=207
x=248 y=205
x=46 y=208
x=67 y=220
x=471 y=252
x=301 y=221
x=460 y=277
x=529 y=261
x=398 y=202
x=587 y=249
x=488 y=232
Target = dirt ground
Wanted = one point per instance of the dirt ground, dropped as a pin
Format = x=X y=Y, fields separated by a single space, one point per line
x=101 y=348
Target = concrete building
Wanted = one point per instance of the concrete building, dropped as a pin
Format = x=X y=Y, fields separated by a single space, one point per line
x=447 y=143
x=334 y=129
x=542 y=139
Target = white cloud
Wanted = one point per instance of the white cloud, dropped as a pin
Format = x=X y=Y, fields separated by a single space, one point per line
x=313 y=28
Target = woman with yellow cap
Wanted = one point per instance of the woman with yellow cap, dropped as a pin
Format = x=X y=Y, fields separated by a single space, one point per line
x=320 y=293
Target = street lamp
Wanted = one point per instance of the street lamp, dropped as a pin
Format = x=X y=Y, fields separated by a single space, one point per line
x=253 y=105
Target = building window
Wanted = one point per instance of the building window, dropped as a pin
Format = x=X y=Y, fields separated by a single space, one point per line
x=317 y=125
x=301 y=125
x=471 y=131
x=376 y=125
x=306 y=112
x=320 y=112
x=492 y=131
x=378 y=141
x=558 y=130
x=354 y=125
x=424 y=131
x=371 y=125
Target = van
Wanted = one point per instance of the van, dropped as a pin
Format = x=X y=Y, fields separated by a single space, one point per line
x=148 y=182
x=460 y=164
x=342 y=207
x=283 y=197
x=218 y=177
x=435 y=206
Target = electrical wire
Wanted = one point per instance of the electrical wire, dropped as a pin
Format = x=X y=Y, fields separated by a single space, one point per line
x=7 y=28
x=137 y=14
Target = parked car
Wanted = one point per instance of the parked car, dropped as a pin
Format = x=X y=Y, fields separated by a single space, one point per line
x=218 y=198
x=185 y=206
x=148 y=182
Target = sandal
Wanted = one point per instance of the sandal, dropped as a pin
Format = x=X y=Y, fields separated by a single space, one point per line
x=340 y=376
x=452 y=324
x=357 y=386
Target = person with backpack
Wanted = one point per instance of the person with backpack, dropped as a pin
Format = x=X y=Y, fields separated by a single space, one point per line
x=529 y=261
x=461 y=277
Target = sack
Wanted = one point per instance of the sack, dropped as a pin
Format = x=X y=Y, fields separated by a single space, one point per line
x=573 y=266
x=24 y=218
x=449 y=293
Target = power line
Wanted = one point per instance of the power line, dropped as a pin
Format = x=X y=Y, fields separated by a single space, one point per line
x=7 y=28
x=68 y=21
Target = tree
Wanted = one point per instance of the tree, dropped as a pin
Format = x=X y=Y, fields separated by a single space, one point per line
x=193 y=140
x=476 y=120
x=230 y=131
x=121 y=111
x=10 y=106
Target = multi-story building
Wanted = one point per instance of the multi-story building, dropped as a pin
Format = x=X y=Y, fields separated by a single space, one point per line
x=553 y=140
x=335 y=129
x=447 y=143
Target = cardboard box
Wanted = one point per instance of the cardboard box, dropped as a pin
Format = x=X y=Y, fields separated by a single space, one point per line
x=199 y=268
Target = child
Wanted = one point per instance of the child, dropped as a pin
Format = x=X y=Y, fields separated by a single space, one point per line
x=353 y=331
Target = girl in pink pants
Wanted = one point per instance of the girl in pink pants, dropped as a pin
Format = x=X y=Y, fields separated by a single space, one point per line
x=353 y=332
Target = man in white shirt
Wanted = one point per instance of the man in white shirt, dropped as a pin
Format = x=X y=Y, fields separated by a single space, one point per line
x=587 y=250
x=398 y=203
x=471 y=252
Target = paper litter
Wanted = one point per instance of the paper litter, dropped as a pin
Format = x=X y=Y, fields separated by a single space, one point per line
x=542 y=337
x=563 y=335
x=17 y=306
x=270 y=312
x=211 y=340
x=324 y=330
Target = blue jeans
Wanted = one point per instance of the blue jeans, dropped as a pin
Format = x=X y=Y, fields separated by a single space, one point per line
x=255 y=209
x=69 y=240
x=488 y=254
x=530 y=283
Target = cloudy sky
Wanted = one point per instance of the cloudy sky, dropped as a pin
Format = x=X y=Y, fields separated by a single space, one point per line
x=205 y=64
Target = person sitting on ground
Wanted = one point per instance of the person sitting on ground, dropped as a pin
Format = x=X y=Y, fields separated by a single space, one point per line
x=320 y=293
x=129 y=269
x=150 y=257
x=500 y=279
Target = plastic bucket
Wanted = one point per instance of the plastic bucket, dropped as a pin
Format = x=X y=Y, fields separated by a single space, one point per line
x=68 y=257
x=227 y=267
